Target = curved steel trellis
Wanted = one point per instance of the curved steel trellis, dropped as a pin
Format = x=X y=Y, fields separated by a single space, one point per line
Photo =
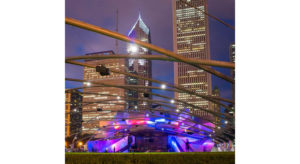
x=156 y=102
x=186 y=119
x=153 y=109
x=208 y=111
x=119 y=36
x=155 y=57
x=207 y=97
x=142 y=91
x=174 y=57
x=191 y=114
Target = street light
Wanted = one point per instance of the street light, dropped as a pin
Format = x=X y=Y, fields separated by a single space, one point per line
x=226 y=122
x=163 y=86
x=88 y=84
x=172 y=101
x=80 y=144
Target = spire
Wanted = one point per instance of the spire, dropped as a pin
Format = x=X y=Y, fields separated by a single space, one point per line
x=140 y=24
x=140 y=17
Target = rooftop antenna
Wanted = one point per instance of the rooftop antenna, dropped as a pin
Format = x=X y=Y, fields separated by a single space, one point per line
x=140 y=14
x=117 y=30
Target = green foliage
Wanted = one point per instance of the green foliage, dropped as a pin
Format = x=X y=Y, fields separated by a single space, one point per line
x=151 y=158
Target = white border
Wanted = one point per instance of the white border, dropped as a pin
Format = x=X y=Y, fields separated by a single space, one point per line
x=32 y=81
x=32 y=94
x=267 y=81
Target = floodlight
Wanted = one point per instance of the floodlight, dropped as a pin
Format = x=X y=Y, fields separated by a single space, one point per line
x=133 y=48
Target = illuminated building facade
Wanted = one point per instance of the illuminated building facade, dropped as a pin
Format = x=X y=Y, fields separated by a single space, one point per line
x=232 y=59
x=73 y=114
x=191 y=39
x=108 y=99
x=216 y=107
x=141 y=67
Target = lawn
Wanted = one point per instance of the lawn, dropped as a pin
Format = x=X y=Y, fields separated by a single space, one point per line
x=151 y=158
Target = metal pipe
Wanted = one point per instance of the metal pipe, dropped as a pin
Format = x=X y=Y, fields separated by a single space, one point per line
x=209 y=98
x=172 y=113
x=119 y=36
x=155 y=57
x=176 y=100
x=218 y=114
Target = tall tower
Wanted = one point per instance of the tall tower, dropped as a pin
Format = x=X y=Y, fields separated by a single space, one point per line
x=216 y=107
x=232 y=59
x=73 y=112
x=191 y=39
x=141 y=67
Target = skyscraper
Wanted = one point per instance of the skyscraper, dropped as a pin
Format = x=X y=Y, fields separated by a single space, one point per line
x=141 y=67
x=109 y=98
x=216 y=107
x=73 y=114
x=191 y=39
x=232 y=59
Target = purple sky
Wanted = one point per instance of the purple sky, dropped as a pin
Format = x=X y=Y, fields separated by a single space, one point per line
x=157 y=15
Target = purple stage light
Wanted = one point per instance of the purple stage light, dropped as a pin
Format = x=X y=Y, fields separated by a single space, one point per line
x=114 y=145
x=179 y=144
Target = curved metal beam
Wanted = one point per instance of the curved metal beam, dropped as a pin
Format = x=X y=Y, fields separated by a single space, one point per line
x=172 y=119
x=142 y=91
x=207 y=97
x=158 y=102
x=169 y=111
x=190 y=114
x=180 y=101
x=208 y=111
x=154 y=57
x=132 y=99
x=169 y=98
x=172 y=113
x=119 y=36
x=186 y=119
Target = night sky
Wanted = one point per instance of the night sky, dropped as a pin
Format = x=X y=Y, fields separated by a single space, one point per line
x=157 y=15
